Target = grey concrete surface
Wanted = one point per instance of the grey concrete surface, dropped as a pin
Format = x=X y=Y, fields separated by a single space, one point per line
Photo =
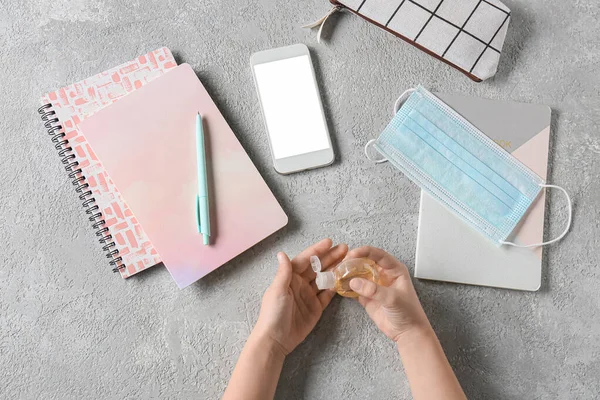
x=69 y=328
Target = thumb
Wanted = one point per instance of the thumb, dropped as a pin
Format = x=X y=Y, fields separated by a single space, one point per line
x=373 y=291
x=283 y=278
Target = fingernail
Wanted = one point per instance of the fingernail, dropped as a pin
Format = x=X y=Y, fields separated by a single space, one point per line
x=356 y=284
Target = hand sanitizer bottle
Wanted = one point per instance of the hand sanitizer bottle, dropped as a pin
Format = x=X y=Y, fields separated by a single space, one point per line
x=339 y=278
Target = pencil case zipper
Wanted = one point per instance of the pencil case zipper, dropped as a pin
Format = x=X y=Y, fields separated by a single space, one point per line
x=407 y=40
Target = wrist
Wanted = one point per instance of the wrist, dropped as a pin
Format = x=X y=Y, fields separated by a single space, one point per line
x=266 y=343
x=415 y=336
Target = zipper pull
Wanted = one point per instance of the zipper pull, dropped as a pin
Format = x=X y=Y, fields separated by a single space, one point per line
x=321 y=21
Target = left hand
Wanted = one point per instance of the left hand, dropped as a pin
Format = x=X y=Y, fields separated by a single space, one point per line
x=292 y=305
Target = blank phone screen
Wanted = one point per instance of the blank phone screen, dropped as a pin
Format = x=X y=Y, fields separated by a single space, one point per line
x=291 y=107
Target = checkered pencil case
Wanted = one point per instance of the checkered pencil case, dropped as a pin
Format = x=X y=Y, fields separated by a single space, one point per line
x=466 y=34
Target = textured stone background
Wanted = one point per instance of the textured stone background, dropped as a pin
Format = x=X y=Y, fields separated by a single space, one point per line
x=69 y=328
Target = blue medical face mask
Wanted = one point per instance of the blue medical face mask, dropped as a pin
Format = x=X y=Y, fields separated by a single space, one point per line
x=459 y=166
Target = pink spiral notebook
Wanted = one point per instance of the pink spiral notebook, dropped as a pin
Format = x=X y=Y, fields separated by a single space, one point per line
x=147 y=143
x=122 y=237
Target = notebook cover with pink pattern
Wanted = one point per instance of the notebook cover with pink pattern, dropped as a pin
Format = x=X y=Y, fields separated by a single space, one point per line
x=147 y=142
x=126 y=243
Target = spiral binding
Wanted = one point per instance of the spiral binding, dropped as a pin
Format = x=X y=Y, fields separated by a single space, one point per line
x=65 y=152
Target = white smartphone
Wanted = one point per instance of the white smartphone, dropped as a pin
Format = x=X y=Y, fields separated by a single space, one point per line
x=292 y=109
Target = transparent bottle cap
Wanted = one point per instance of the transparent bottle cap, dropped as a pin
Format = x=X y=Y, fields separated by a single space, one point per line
x=325 y=280
x=315 y=263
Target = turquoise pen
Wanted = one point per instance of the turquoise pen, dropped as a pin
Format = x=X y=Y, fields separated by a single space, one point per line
x=202 y=213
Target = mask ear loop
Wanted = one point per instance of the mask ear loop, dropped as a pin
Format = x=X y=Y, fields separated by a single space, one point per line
x=369 y=144
x=562 y=235
x=397 y=106
x=403 y=97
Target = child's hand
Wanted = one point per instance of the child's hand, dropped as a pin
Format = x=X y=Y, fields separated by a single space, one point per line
x=395 y=309
x=292 y=305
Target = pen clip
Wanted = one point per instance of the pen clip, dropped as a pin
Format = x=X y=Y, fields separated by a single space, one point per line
x=198 y=221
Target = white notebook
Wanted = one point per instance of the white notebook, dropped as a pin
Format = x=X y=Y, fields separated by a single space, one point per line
x=448 y=249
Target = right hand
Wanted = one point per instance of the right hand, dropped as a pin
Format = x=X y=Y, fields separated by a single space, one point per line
x=395 y=307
